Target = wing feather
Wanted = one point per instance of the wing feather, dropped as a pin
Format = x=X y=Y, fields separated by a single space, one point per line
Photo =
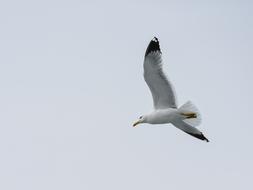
x=162 y=91
x=190 y=130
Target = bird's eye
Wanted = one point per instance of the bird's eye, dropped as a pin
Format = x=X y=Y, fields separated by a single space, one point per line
x=140 y=117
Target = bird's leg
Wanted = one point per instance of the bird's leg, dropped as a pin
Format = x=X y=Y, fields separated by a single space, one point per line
x=189 y=115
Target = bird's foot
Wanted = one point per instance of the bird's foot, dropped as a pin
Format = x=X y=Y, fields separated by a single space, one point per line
x=189 y=115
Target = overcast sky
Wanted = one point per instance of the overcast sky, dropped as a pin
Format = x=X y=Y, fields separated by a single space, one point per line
x=71 y=86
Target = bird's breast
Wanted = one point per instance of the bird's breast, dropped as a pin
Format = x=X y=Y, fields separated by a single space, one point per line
x=162 y=116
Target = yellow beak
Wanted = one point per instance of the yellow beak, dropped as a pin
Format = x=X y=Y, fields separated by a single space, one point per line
x=136 y=123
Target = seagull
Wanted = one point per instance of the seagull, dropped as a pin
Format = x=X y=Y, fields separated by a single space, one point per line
x=186 y=117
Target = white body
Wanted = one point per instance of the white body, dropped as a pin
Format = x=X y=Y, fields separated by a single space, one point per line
x=163 y=116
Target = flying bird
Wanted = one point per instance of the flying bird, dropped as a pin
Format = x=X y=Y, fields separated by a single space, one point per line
x=186 y=117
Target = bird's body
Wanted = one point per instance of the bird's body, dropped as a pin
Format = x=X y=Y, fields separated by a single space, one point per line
x=162 y=116
x=186 y=117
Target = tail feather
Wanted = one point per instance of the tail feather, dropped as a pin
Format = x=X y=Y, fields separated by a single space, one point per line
x=189 y=107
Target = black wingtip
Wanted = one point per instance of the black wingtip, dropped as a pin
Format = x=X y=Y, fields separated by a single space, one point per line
x=153 y=46
x=204 y=138
x=199 y=136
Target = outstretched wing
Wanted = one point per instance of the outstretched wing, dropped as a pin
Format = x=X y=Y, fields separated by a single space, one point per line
x=160 y=87
x=189 y=130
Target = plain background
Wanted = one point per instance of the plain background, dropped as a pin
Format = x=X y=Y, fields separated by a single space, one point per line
x=71 y=86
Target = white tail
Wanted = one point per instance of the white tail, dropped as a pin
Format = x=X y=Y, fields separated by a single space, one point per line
x=190 y=107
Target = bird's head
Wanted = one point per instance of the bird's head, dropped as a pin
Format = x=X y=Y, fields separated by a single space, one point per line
x=142 y=119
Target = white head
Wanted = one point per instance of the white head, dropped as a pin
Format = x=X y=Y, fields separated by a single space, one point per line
x=142 y=119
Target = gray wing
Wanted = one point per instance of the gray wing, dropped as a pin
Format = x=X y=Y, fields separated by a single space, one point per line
x=189 y=130
x=160 y=87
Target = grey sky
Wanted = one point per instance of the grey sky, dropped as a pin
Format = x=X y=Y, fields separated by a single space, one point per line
x=71 y=86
